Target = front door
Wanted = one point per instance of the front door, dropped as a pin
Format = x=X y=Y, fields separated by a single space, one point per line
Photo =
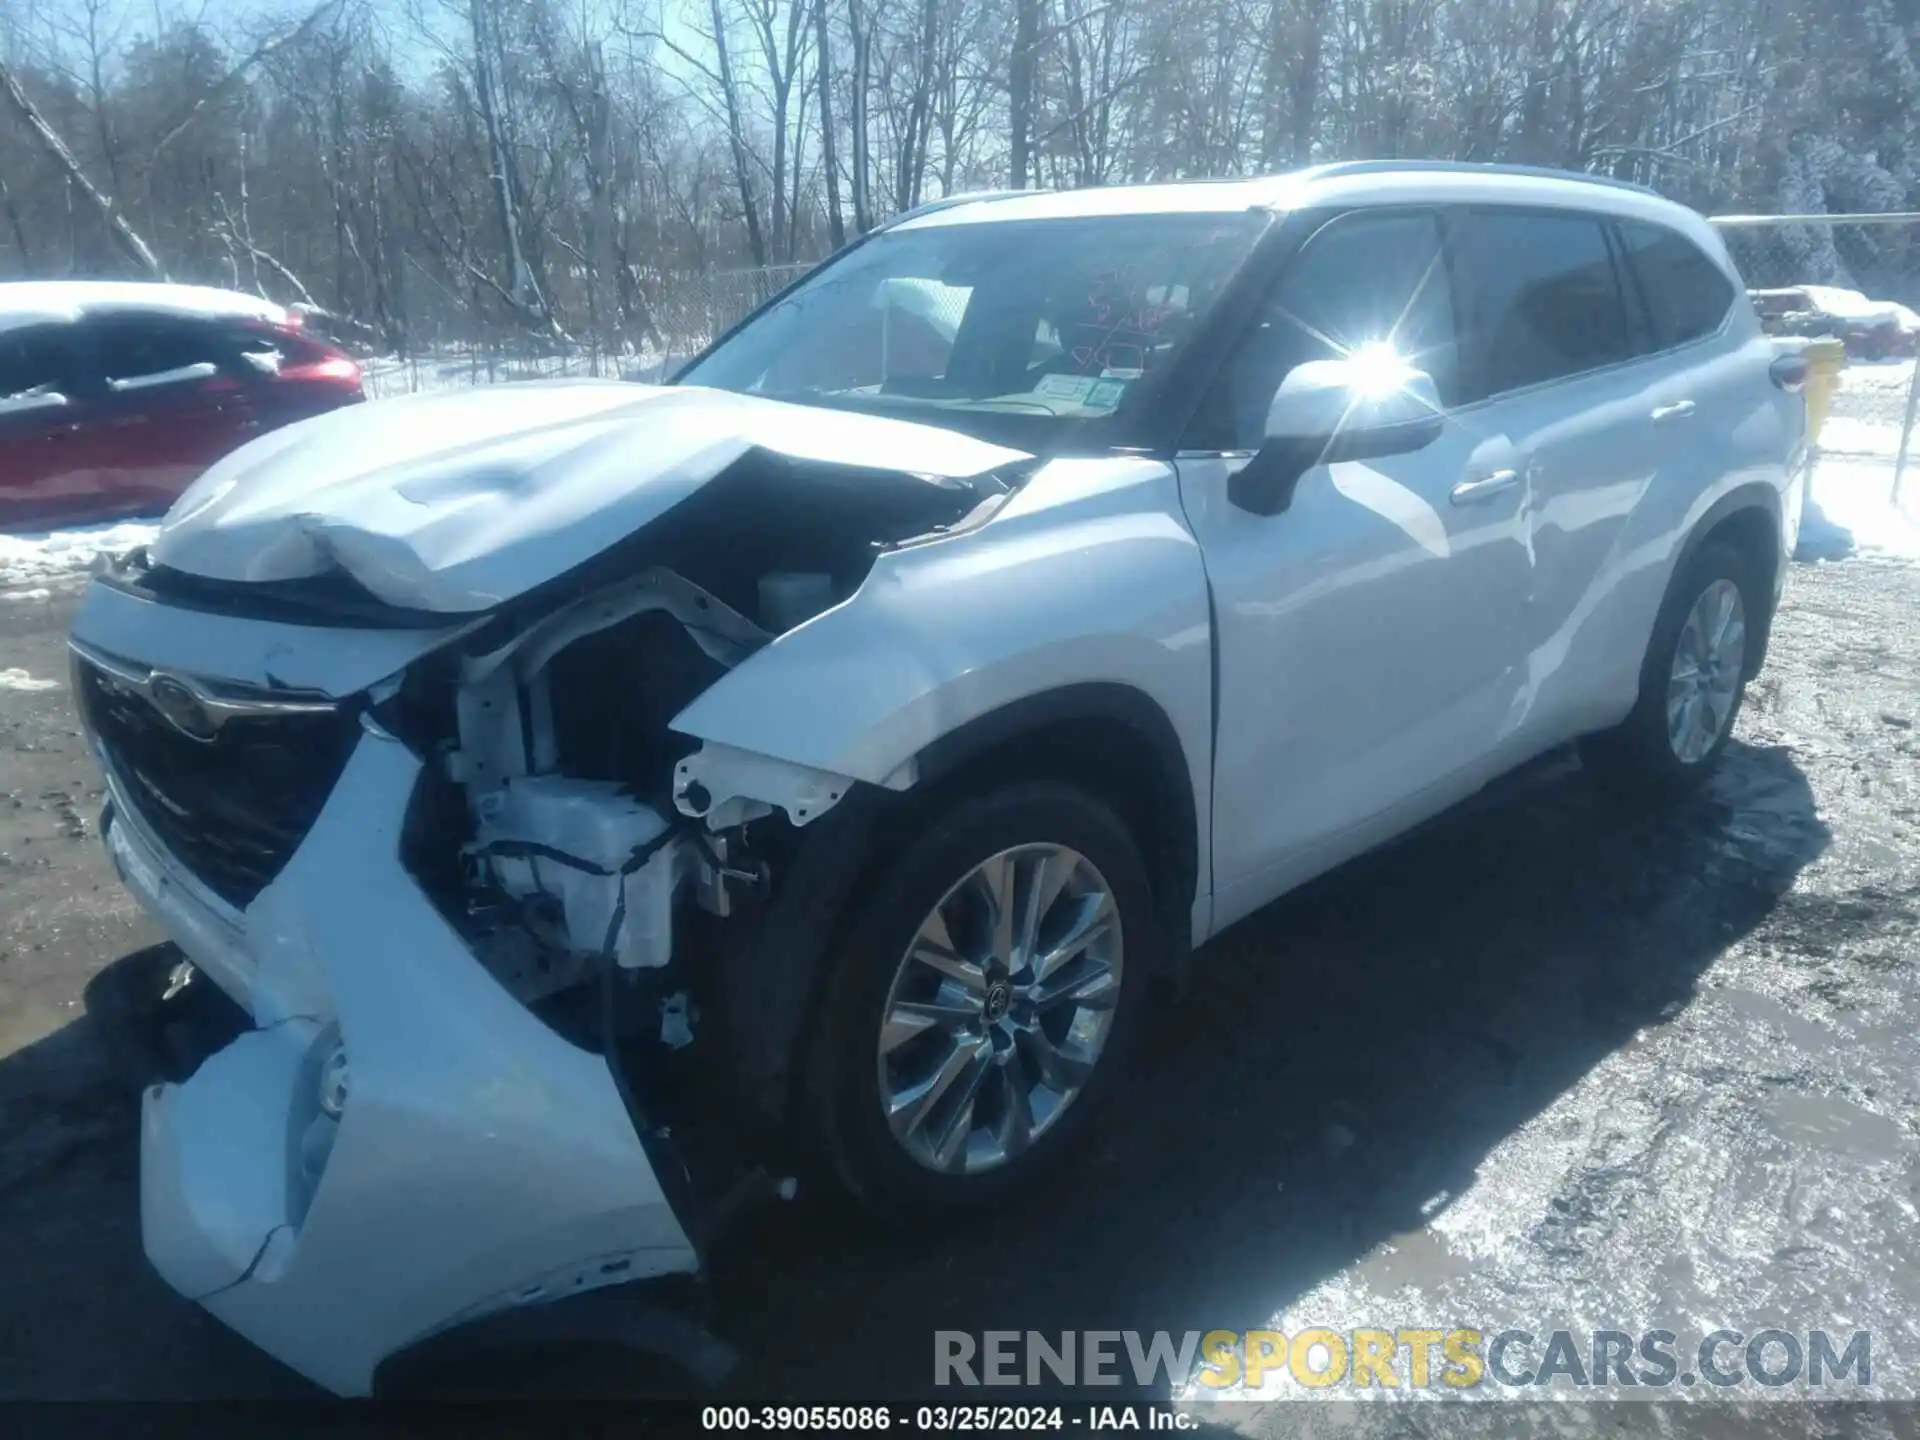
x=41 y=411
x=1372 y=635
x=171 y=404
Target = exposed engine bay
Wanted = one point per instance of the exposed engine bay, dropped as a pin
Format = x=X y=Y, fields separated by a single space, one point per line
x=528 y=590
x=589 y=855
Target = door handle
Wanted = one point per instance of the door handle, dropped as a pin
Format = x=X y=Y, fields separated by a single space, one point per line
x=1678 y=410
x=1472 y=492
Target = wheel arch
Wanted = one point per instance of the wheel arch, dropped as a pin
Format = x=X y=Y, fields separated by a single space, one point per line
x=1111 y=738
x=1749 y=518
x=1115 y=740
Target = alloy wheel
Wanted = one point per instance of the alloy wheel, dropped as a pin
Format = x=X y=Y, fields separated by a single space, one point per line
x=1704 y=681
x=1000 y=1008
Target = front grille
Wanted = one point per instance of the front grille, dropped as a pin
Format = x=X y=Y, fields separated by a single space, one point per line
x=232 y=810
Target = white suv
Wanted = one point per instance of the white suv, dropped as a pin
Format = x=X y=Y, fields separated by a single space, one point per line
x=594 y=792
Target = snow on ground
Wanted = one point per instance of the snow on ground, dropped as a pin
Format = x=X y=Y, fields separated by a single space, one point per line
x=1851 y=435
x=29 y=561
x=1850 y=511
x=17 y=679
x=390 y=375
x=452 y=369
x=1861 y=375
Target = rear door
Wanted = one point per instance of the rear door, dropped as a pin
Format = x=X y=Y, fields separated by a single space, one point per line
x=1549 y=356
x=1719 y=420
x=40 y=415
x=170 y=402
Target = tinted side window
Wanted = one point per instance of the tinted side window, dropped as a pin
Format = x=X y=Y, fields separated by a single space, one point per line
x=138 y=352
x=1542 y=299
x=33 y=360
x=1686 y=294
x=1362 y=279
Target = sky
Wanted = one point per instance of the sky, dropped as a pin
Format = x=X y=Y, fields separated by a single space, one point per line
x=239 y=22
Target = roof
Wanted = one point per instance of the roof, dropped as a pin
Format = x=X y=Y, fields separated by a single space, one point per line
x=1347 y=182
x=40 y=302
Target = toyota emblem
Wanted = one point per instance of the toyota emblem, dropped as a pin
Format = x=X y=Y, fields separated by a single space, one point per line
x=182 y=708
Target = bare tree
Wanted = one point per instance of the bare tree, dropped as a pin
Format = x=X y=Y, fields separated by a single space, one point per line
x=459 y=171
x=829 y=162
x=124 y=235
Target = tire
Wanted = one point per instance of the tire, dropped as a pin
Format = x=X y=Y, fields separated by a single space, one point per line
x=982 y=1032
x=1642 y=758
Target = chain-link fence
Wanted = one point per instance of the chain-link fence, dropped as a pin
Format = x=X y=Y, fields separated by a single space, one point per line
x=1854 y=281
x=666 y=320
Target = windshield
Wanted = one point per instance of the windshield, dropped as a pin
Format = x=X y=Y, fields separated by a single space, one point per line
x=1036 y=332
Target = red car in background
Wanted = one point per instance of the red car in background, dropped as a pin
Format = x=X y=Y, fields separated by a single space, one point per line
x=114 y=397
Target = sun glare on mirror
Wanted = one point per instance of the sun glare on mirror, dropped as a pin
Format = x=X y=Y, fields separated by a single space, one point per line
x=1378 y=369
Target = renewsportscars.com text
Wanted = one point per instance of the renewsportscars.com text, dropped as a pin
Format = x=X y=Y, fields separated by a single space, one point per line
x=1438 y=1360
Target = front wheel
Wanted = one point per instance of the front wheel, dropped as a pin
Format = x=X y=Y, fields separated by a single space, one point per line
x=981 y=1000
x=1691 y=682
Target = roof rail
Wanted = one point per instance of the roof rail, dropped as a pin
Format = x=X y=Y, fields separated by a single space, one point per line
x=947 y=202
x=1469 y=167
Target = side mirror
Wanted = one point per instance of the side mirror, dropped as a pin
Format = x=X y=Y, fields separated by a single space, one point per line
x=1363 y=407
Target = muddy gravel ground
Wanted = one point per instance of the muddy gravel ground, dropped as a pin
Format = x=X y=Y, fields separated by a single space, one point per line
x=1545 y=1065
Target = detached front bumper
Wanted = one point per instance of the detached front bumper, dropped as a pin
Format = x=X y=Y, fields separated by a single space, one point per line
x=479 y=1161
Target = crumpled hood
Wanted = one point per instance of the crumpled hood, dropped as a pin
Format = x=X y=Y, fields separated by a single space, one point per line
x=457 y=502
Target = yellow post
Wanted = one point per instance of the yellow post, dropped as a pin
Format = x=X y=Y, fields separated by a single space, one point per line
x=1825 y=360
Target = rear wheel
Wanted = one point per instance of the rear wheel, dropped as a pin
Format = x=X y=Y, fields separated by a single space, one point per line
x=1691 y=683
x=982 y=1000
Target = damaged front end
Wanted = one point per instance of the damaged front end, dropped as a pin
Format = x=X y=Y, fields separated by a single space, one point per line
x=617 y=876
x=503 y=874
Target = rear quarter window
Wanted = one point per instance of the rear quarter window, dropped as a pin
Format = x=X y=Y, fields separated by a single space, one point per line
x=264 y=351
x=1687 y=295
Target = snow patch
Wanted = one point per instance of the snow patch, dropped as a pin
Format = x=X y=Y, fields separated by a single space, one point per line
x=1896 y=375
x=42 y=302
x=387 y=377
x=1850 y=511
x=1849 y=435
x=1850 y=304
x=27 y=561
x=17 y=679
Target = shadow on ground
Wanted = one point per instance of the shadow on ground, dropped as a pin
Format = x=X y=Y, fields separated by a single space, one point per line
x=1336 y=1069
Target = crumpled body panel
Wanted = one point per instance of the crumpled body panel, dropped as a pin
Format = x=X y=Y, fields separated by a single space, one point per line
x=456 y=503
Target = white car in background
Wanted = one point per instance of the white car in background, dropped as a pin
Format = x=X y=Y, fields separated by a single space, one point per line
x=1872 y=329
x=596 y=795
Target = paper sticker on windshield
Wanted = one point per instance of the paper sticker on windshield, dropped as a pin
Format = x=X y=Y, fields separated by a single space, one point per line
x=1105 y=394
x=1071 y=388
